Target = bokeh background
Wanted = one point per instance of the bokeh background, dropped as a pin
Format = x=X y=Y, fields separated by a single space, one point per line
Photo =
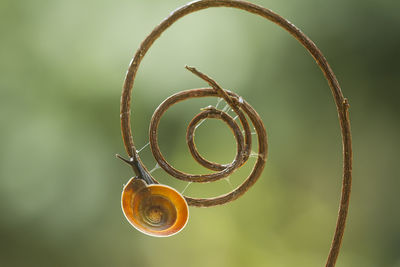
x=62 y=65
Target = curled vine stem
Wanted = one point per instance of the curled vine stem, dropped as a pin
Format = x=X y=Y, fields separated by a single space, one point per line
x=240 y=107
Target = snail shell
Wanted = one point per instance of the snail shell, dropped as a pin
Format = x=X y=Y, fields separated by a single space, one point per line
x=156 y=210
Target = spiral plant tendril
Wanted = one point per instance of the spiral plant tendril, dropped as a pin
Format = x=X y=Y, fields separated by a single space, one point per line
x=159 y=210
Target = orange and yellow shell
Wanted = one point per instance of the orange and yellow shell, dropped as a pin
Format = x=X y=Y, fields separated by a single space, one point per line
x=155 y=210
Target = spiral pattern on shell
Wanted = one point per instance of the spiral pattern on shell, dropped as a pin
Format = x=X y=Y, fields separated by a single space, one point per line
x=155 y=210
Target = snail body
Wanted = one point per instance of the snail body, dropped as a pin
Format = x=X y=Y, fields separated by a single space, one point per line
x=155 y=210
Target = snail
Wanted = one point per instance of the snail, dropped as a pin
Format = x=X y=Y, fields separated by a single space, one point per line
x=156 y=210
x=153 y=209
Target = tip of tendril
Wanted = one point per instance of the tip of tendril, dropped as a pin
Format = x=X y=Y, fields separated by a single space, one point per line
x=189 y=67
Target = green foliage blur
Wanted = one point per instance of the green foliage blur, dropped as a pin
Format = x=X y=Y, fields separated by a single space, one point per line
x=62 y=65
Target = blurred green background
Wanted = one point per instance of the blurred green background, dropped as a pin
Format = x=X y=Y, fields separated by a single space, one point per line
x=62 y=65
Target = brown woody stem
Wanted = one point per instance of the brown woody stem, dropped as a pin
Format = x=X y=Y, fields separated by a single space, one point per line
x=341 y=104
